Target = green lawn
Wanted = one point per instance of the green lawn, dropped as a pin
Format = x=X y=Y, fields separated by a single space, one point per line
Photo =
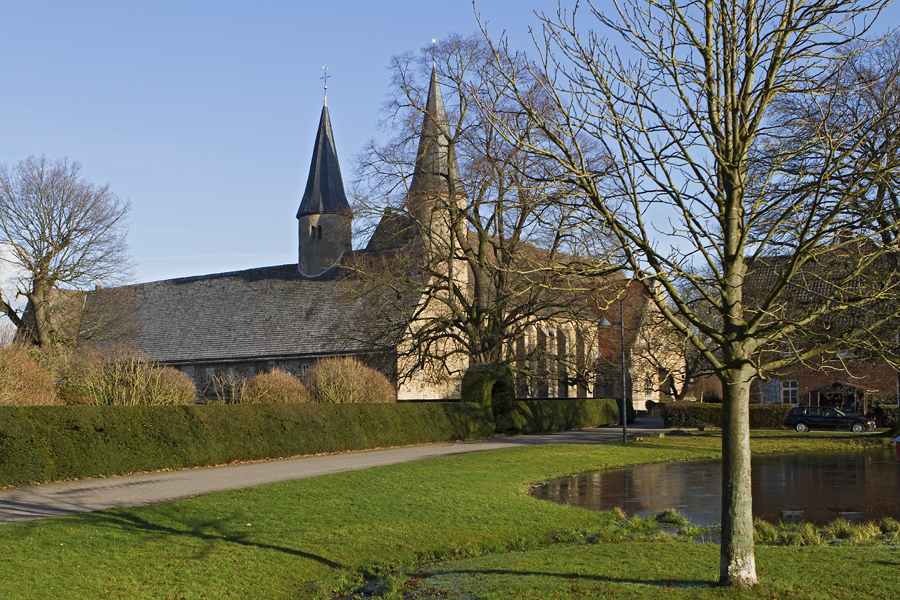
x=655 y=569
x=272 y=541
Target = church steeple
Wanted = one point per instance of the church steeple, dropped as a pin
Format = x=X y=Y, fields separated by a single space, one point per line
x=324 y=187
x=435 y=187
x=325 y=215
x=436 y=171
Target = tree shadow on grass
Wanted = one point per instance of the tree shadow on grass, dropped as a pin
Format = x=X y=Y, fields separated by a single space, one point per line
x=210 y=530
x=661 y=583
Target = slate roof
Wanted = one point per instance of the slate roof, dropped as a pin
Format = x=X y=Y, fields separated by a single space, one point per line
x=257 y=314
x=324 y=187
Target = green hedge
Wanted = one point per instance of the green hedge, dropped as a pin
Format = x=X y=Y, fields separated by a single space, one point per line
x=532 y=416
x=47 y=443
x=492 y=384
x=889 y=416
x=702 y=414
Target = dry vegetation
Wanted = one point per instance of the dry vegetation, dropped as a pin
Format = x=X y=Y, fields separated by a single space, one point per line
x=23 y=382
x=61 y=375
x=275 y=387
x=347 y=380
x=124 y=378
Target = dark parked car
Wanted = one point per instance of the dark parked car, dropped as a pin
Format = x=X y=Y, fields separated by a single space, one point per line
x=804 y=418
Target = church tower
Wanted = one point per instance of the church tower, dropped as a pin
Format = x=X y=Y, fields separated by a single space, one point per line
x=325 y=216
x=436 y=185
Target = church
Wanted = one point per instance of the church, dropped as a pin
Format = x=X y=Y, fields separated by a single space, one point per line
x=240 y=323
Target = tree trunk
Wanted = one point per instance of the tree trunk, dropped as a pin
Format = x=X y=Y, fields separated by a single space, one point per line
x=737 y=563
x=39 y=307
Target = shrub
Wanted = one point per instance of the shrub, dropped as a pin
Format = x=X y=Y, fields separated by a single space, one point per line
x=805 y=534
x=492 y=385
x=46 y=443
x=764 y=532
x=889 y=525
x=700 y=414
x=125 y=379
x=226 y=388
x=672 y=517
x=23 y=382
x=347 y=381
x=889 y=416
x=275 y=387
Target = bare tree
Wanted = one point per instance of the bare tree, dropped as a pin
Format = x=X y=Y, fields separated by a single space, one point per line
x=662 y=347
x=59 y=232
x=682 y=123
x=494 y=262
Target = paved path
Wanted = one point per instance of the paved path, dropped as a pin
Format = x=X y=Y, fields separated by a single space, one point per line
x=72 y=497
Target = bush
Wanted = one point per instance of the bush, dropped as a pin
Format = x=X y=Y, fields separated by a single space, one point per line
x=226 y=388
x=125 y=379
x=702 y=414
x=889 y=416
x=492 y=385
x=274 y=387
x=48 y=443
x=347 y=381
x=562 y=414
x=23 y=382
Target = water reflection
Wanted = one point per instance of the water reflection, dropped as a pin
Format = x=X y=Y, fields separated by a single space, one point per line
x=859 y=486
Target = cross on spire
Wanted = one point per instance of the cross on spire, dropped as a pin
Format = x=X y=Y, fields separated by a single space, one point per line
x=324 y=78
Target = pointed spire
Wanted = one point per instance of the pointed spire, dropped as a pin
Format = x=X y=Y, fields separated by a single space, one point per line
x=325 y=187
x=436 y=164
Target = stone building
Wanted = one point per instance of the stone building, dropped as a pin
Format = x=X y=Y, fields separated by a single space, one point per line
x=237 y=324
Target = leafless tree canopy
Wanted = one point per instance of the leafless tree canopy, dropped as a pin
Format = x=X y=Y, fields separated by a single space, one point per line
x=712 y=187
x=60 y=232
x=499 y=258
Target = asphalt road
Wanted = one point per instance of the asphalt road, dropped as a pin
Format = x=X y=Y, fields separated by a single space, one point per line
x=72 y=497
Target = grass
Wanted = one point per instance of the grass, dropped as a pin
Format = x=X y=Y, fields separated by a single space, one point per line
x=272 y=541
x=656 y=569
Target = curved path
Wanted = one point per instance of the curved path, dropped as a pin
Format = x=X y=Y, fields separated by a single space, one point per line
x=72 y=497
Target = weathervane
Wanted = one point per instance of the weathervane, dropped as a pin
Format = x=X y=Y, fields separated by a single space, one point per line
x=325 y=79
x=433 y=60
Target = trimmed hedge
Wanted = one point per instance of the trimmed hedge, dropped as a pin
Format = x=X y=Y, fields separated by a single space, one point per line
x=492 y=384
x=533 y=416
x=49 y=443
x=890 y=416
x=703 y=414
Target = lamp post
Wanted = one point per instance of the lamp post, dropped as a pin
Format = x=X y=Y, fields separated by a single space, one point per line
x=604 y=323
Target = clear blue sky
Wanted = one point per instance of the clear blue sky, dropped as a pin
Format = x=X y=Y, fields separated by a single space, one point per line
x=203 y=112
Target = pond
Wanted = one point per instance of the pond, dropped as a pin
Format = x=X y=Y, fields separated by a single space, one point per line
x=858 y=486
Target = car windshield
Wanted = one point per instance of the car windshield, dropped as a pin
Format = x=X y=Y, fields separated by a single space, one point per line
x=840 y=413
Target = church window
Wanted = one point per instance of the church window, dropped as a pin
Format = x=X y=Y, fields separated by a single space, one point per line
x=320 y=232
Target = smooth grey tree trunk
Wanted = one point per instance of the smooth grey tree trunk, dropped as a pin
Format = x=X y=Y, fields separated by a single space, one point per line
x=737 y=563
